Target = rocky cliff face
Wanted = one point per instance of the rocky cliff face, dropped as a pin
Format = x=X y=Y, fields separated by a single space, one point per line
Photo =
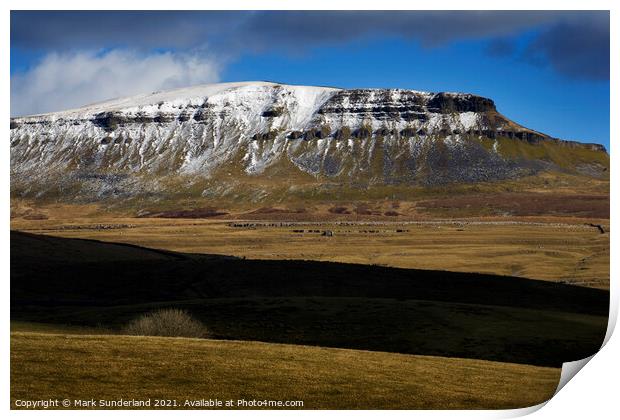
x=208 y=139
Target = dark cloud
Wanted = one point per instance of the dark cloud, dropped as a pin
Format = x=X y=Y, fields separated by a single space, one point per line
x=429 y=27
x=259 y=29
x=576 y=49
x=572 y=42
x=62 y=30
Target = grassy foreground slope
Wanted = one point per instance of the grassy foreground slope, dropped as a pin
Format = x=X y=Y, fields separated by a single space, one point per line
x=111 y=367
x=434 y=313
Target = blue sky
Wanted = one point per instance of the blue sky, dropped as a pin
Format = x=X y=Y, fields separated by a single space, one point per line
x=546 y=70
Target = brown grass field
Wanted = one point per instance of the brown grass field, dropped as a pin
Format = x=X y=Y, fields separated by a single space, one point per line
x=561 y=249
x=84 y=366
x=514 y=236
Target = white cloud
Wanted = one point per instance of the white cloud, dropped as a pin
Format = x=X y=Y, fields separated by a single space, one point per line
x=64 y=81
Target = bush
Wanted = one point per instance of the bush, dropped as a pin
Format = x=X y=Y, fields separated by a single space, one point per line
x=167 y=323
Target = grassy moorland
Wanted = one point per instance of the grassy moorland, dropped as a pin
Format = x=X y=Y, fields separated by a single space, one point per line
x=510 y=319
x=572 y=252
x=52 y=365
x=380 y=313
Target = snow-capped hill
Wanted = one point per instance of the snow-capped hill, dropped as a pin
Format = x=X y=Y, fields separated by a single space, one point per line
x=220 y=132
x=177 y=101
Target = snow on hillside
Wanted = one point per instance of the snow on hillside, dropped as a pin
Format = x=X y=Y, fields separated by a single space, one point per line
x=172 y=101
x=385 y=135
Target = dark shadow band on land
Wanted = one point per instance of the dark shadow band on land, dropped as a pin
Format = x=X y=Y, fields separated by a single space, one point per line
x=451 y=314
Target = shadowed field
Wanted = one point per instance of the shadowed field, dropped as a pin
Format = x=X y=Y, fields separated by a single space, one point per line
x=572 y=252
x=377 y=308
x=110 y=367
x=363 y=318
